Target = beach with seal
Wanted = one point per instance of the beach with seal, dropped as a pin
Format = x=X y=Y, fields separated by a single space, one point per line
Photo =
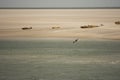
x=59 y=44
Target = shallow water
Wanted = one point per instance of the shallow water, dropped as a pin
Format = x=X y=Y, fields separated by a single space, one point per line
x=59 y=59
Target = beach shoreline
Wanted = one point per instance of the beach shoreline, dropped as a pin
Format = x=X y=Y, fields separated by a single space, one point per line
x=59 y=23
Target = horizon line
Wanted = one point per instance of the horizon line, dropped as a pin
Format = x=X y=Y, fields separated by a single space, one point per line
x=59 y=7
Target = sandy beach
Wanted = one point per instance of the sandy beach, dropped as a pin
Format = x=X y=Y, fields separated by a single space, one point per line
x=68 y=21
x=40 y=44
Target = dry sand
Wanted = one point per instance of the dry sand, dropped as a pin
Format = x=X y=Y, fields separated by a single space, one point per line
x=69 y=21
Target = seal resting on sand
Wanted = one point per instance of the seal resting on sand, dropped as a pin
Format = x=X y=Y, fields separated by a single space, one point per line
x=26 y=28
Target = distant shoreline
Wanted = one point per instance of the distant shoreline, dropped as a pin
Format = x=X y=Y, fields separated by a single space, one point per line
x=60 y=8
x=57 y=38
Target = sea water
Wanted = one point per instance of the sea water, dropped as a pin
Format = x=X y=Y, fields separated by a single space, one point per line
x=59 y=59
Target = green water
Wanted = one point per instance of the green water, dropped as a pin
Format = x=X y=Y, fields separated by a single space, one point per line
x=59 y=59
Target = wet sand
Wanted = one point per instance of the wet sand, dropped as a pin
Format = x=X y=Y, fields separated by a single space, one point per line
x=69 y=21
